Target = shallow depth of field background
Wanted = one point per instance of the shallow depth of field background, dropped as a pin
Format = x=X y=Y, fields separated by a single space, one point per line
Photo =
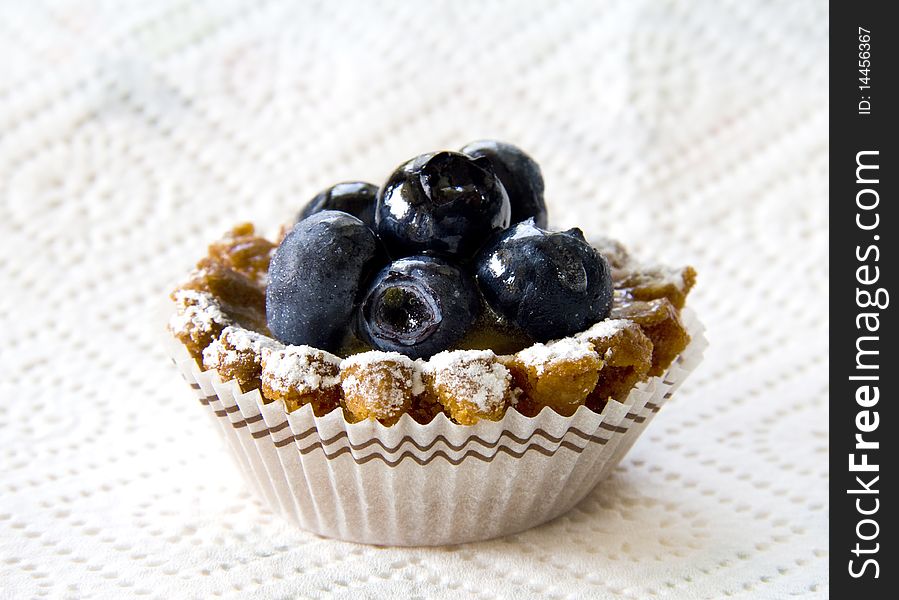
x=133 y=133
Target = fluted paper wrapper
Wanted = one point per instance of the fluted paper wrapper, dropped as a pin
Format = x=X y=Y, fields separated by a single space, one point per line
x=440 y=483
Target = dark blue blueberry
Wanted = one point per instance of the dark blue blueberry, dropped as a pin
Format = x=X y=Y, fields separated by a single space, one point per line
x=519 y=174
x=418 y=306
x=354 y=197
x=549 y=284
x=444 y=203
x=315 y=276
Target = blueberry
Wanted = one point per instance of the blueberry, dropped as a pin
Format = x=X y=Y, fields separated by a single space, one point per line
x=444 y=203
x=549 y=284
x=418 y=306
x=519 y=174
x=354 y=197
x=315 y=276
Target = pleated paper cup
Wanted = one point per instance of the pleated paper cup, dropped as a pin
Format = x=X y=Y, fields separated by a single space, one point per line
x=422 y=485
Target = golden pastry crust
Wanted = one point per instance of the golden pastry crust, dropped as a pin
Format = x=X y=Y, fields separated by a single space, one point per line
x=233 y=274
x=661 y=322
x=470 y=385
x=300 y=375
x=198 y=320
x=645 y=281
x=379 y=385
x=614 y=252
x=426 y=406
x=627 y=357
x=237 y=354
x=244 y=252
x=652 y=283
x=238 y=296
x=559 y=374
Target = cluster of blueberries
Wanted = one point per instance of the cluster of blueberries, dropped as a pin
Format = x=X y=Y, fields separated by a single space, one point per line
x=408 y=267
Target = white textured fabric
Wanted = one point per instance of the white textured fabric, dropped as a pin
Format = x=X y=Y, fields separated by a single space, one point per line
x=132 y=133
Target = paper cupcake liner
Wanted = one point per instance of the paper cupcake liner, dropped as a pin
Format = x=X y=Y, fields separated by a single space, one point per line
x=440 y=483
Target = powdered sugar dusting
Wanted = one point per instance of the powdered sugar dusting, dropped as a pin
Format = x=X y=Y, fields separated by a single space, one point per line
x=472 y=375
x=660 y=275
x=373 y=357
x=540 y=356
x=418 y=386
x=448 y=359
x=604 y=329
x=383 y=381
x=390 y=397
x=301 y=368
x=633 y=272
x=236 y=344
x=197 y=311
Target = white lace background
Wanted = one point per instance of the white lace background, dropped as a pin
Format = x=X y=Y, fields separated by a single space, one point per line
x=133 y=133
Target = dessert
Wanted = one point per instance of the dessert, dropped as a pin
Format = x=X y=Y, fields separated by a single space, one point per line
x=426 y=362
x=441 y=292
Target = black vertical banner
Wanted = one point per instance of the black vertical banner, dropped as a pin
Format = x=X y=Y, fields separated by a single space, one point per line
x=863 y=369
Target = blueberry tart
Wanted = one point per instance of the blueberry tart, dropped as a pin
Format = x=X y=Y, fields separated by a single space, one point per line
x=444 y=291
x=429 y=361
